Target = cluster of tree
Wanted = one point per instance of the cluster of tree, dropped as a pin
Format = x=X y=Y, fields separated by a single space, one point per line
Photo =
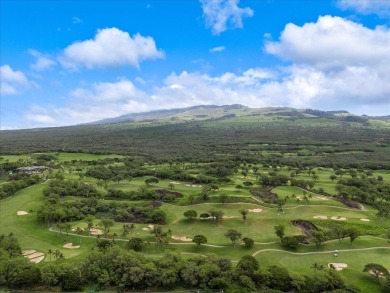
x=125 y=269
x=18 y=183
x=64 y=188
x=373 y=191
x=170 y=142
x=54 y=210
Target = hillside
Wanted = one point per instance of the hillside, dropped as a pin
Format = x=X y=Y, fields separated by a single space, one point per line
x=211 y=132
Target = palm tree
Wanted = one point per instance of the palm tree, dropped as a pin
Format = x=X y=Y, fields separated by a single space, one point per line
x=50 y=252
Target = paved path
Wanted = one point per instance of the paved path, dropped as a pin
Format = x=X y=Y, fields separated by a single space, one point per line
x=319 y=252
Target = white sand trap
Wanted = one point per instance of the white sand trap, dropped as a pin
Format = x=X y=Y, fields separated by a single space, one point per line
x=148 y=228
x=37 y=259
x=322 y=198
x=21 y=213
x=255 y=210
x=96 y=231
x=320 y=217
x=182 y=238
x=174 y=182
x=74 y=229
x=27 y=252
x=338 y=218
x=189 y=185
x=34 y=255
x=338 y=266
x=70 y=246
x=365 y=220
x=229 y=217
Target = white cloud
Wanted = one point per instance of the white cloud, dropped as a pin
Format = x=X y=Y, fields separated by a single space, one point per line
x=221 y=15
x=86 y=104
x=42 y=62
x=333 y=42
x=110 y=47
x=380 y=7
x=76 y=20
x=13 y=82
x=217 y=49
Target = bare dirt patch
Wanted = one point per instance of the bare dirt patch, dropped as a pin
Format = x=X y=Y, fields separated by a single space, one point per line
x=320 y=217
x=182 y=238
x=70 y=246
x=21 y=213
x=148 y=228
x=95 y=231
x=338 y=218
x=365 y=220
x=338 y=266
x=255 y=210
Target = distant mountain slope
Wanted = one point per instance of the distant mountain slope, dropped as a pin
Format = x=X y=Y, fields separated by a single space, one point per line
x=180 y=114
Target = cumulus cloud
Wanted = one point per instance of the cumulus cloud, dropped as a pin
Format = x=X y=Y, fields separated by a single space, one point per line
x=332 y=42
x=43 y=62
x=110 y=47
x=221 y=15
x=380 y=7
x=217 y=49
x=86 y=104
x=13 y=82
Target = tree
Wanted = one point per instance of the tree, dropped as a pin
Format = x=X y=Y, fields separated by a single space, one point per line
x=136 y=244
x=50 y=253
x=190 y=214
x=290 y=242
x=171 y=185
x=223 y=198
x=244 y=212
x=318 y=238
x=89 y=220
x=233 y=235
x=248 y=263
x=353 y=234
x=125 y=230
x=340 y=232
x=106 y=224
x=151 y=180
x=79 y=231
x=332 y=177
x=317 y=267
x=247 y=183
x=248 y=242
x=377 y=270
x=199 y=239
x=279 y=231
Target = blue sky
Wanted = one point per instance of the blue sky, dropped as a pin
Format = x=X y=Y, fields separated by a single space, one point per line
x=70 y=62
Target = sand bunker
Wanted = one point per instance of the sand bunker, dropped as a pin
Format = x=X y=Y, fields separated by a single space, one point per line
x=70 y=246
x=37 y=259
x=96 y=231
x=182 y=238
x=338 y=266
x=320 y=217
x=365 y=220
x=338 y=218
x=33 y=255
x=21 y=213
x=255 y=210
x=148 y=228
x=229 y=217
x=174 y=182
x=75 y=229
x=322 y=197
